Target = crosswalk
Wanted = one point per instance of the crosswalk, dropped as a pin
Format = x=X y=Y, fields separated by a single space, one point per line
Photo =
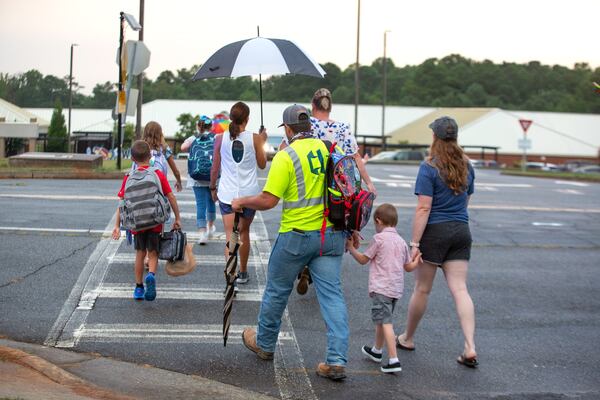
x=105 y=288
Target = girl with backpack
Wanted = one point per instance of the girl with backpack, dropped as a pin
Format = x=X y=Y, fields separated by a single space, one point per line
x=201 y=148
x=161 y=153
x=237 y=155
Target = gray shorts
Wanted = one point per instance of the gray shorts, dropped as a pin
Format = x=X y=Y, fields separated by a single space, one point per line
x=382 y=308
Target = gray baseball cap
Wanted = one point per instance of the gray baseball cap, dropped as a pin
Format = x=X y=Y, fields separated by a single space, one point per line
x=294 y=115
x=444 y=128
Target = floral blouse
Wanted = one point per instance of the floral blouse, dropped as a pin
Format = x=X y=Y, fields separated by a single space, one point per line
x=334 y=131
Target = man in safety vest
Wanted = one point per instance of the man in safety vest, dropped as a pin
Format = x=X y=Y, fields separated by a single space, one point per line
x=297 y=176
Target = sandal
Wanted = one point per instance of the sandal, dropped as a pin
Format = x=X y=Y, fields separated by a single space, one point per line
x=403 y=347
x=467 y=362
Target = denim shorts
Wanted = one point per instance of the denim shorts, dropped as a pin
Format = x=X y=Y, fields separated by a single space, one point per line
x=382 y=308
x=226 y=209
x=446 y=241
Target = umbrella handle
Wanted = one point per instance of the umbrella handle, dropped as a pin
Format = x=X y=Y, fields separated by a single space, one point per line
x=236 y=221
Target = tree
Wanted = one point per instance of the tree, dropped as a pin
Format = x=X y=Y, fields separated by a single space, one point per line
x=57 y=131
x=187 y=126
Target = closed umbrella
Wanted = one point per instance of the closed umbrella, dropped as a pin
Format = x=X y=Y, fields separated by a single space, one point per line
x=230 y=276
x=258 y=56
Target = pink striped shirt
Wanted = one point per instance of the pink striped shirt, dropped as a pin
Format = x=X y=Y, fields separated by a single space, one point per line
x=388 y=253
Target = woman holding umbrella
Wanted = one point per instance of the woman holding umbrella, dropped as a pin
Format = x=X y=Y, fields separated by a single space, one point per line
x=237 y=155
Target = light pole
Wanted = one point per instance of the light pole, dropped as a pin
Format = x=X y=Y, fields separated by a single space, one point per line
x=140 y=82
x=356 y=78
x=133 y=24
x=384 y=95
x=70 y=94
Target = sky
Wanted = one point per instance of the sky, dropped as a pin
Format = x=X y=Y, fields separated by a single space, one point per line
x=37 y=34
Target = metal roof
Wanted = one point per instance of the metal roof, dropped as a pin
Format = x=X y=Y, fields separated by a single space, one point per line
x=13 y=113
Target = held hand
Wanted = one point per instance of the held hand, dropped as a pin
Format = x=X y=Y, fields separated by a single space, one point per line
x=178 y=186
x=372 y=188
x=236 y=205
x=116 y=233
x=414 y=252
x=356 y=239
x=176 y=225
x=263 y=134
x=349 y=243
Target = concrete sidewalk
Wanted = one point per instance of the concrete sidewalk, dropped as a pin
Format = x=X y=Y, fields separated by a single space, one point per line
x=29 y=371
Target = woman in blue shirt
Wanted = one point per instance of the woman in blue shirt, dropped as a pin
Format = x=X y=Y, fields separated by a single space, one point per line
x=441 y=232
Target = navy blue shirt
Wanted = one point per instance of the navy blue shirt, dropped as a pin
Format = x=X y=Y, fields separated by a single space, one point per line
x=446 y=206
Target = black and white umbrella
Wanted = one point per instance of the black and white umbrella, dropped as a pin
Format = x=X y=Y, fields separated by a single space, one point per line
x=259 y=56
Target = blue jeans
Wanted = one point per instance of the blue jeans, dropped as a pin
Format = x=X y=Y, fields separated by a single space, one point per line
x=291 y=252
x=205 y=206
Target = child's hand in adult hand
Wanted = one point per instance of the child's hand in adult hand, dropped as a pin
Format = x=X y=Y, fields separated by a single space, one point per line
x=356 y=239
x=349 y=243
x=116 y=233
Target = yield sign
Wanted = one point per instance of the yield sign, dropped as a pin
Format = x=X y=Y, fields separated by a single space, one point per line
x=525 y=124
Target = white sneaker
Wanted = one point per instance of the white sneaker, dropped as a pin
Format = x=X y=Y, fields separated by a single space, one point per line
x=211 y=231
x=203 y=237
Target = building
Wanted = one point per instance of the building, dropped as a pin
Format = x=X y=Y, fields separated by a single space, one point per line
x=18 y=123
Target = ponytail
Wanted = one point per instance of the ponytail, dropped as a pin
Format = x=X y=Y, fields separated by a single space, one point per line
x=239 y=114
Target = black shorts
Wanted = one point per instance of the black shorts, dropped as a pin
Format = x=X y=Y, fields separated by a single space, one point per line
x=146 y=240
x=446 y=241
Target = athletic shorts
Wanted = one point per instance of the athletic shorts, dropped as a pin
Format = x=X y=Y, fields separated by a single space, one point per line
x=382 y=308
x=226 y=209
x=146 y=240
x=446 y=241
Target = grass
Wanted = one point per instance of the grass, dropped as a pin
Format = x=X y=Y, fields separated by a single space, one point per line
x=107 y=166
x=554 y=175
x=111 y=165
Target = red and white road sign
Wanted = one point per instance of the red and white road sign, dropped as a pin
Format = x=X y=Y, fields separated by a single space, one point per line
x=525 y=124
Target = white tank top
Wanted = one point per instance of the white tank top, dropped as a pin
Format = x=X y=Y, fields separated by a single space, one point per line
x=238 y=167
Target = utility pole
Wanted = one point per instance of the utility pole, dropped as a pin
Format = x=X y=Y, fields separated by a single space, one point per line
x=384 y=95
x=120 y=91
x=140 y=82
x=356 y=78
x=70 y=97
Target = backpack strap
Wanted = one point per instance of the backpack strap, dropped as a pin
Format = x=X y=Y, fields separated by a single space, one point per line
x=330 y=146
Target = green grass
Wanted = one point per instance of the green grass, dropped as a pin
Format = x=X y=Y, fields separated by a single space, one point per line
x=111 y=165
x=554 y=175
x=107 y=166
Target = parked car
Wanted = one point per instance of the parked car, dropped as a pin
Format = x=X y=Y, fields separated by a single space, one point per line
x=572 y=165
x=540 y=166
x=398 y=155
x=183 y=156
x=483 y=163
x=588 y=169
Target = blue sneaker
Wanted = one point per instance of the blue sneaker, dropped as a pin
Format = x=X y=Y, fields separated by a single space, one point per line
x=150 y=287
x=138 y=293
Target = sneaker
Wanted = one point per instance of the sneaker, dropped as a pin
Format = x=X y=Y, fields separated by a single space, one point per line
x=211 y=231
x=249 y=339
x=203 y=239
x=242 y=277
x=389 y=368
x=368 y=351
x=138 y=293
x=150 y=287
x=302 y=286
x=333 y=372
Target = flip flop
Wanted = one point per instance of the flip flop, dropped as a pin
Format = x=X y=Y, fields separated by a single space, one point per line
x=467 y=362
x=403 y=347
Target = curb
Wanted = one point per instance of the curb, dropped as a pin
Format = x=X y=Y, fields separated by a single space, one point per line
x=57 y=374
x=60 y=175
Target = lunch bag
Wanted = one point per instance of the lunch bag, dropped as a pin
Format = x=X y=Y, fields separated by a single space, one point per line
x=171 y=246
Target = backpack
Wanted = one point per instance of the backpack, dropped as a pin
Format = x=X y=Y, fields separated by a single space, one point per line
x=144 y=206
x=347 y=206
x=200 y=158
x=158 y=161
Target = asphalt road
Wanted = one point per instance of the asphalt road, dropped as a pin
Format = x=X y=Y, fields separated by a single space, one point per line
x=534 y=280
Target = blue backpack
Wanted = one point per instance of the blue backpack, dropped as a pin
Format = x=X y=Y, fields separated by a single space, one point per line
x=200 y=157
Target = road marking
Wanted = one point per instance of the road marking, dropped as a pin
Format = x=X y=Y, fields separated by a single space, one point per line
x=572 y=183
x=402 y=177
x=547 y=224
x=57 y=197
x=396 y=185
x=163 y=333
x=176 y=292
x=91 y=275
x=506 y=185
x=290 y=373
x=506 y=207
x=569 y=191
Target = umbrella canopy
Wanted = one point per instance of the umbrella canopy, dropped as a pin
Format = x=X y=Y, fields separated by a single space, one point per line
x=230 y=276
x=220 y=126
x=259 y=56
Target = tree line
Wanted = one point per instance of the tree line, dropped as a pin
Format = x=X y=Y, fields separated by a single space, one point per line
x=452 y=81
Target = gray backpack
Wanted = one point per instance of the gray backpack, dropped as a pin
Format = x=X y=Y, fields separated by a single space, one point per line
x=144 y=205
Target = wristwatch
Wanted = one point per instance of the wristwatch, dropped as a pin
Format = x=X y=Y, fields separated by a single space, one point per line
x=413 y=244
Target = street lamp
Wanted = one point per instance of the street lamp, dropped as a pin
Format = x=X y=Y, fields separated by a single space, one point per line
x=356 y=78
x=133 y=24
x=70 y=94
x=383 y=97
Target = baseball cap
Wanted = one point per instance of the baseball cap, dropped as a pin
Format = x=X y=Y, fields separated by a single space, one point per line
x=444 y=128
x=205 y=119
x=295 y=114
x=323 y=92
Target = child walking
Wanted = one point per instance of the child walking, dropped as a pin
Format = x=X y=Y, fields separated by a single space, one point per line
x=388 y=258
x=139 y=196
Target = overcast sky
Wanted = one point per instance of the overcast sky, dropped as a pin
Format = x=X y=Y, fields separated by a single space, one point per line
x=180 y=33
